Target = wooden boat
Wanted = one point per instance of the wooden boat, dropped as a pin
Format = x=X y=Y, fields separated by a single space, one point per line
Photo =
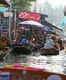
x=31 y=74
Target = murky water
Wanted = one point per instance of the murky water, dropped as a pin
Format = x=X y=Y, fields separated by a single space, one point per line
x=50 y=63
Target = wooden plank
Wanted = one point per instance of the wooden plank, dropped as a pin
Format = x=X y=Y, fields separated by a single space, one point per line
x=17 y=74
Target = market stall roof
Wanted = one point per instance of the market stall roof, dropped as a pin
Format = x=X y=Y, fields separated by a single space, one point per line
x=53 y=25
x=31 y=23
x=44 y=15
x=4 y=2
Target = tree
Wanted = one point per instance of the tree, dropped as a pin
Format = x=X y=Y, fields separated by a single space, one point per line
x=55 y=14
x=22 y=4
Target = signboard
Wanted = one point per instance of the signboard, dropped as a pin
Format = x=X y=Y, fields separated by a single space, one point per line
x=1 y=27
x=7 y=14
x=3 y=9
x=4 y=76
x=29 y=16
x=2 y=6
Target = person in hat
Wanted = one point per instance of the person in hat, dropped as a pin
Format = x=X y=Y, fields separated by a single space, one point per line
x=50 y=42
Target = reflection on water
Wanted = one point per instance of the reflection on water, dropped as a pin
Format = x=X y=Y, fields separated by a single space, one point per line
x=50 y=63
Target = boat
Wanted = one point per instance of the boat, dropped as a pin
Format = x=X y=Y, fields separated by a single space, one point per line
x=16 y=73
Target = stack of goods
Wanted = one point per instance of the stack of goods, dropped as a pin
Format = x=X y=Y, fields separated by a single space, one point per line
x=3 y=46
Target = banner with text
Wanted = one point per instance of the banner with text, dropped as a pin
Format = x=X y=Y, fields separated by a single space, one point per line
x=29 y=16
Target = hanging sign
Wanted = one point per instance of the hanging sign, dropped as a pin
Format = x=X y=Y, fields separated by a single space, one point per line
x=29 y=16
x=3 y=9
x=7 y=14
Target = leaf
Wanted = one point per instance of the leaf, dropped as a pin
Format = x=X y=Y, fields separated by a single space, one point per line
x=22 y=4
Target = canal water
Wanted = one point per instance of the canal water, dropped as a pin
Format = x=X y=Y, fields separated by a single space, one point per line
x=50 y=63
x=54 y=63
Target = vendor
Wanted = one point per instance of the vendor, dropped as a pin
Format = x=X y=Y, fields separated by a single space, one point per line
x=60 y=44
x=50 y=42
x=24 y=40
x=63 y=25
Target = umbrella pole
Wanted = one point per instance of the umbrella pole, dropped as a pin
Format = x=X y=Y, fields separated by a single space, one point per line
x=14 y=2
x=10 y=22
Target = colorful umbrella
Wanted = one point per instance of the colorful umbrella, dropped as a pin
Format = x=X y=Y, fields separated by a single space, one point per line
x=31 y=23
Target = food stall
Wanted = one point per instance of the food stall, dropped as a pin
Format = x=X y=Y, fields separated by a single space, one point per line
x=51 y=45
x=33 y=32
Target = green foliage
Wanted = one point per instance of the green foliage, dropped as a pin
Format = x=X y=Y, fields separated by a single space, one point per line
x=23 y=4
